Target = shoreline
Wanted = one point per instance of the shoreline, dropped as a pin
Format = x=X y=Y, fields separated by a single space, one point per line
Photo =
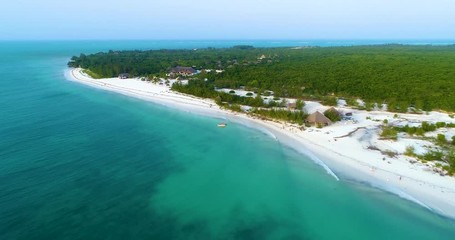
x=347 y=156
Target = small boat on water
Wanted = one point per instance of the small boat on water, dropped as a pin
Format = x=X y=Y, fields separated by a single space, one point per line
x=222 y=125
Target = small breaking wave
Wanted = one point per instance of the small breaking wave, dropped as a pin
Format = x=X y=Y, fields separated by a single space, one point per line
x=307 y=153
x=268 y=133
x=408 y=197
x=401 y=194
x=319 y=162
x=257 y=127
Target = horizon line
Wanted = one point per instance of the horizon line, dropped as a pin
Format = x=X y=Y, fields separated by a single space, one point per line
x=238 y=39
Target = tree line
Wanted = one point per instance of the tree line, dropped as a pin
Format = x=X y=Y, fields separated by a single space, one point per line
x=401 y=76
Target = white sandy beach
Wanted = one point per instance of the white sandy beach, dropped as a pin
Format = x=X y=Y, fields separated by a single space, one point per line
x=347 y=156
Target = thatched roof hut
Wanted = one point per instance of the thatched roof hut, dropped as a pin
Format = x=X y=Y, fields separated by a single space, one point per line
x=185 y=71
x=333 y=114
x=332 y=109
x=318 y=118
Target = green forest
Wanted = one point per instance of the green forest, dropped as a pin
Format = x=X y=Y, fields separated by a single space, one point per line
x=401 y=76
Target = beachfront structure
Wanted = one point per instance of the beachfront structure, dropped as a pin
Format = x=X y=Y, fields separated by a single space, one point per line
x=334 y=110
x=183 y=71
x=123 y=75
x=292 y=105
x=348 y=116
x=318 y=119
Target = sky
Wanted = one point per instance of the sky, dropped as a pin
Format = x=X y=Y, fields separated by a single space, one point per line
x=227 y=19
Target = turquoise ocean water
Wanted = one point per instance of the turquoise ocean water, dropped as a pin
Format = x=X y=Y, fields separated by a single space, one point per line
x=81 y=163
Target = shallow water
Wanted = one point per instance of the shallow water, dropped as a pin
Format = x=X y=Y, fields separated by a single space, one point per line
x=81 y=163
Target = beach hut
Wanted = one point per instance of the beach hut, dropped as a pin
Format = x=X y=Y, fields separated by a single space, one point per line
x=334 y=110
x=333 y=114
x=183 y=71
x=292 y=105
x=123 y=76
x=319 y=119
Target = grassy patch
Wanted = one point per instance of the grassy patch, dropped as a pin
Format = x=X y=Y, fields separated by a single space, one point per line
x=92 y=74
x=410 y=151
x=389 y=133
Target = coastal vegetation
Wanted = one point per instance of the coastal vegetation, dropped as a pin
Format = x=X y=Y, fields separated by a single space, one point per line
x=444 y=151
x=205 y=89
x=389 y=133
x=406 y=78
x=333 y=115
x=297 y=116
x=423 y=128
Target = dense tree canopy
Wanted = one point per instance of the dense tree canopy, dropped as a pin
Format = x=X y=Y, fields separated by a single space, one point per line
x=401 y=76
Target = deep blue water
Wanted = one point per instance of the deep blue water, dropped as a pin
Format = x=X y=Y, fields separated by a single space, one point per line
x=81 y=163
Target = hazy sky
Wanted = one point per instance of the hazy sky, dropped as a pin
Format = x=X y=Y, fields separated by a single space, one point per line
x=222 y=19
